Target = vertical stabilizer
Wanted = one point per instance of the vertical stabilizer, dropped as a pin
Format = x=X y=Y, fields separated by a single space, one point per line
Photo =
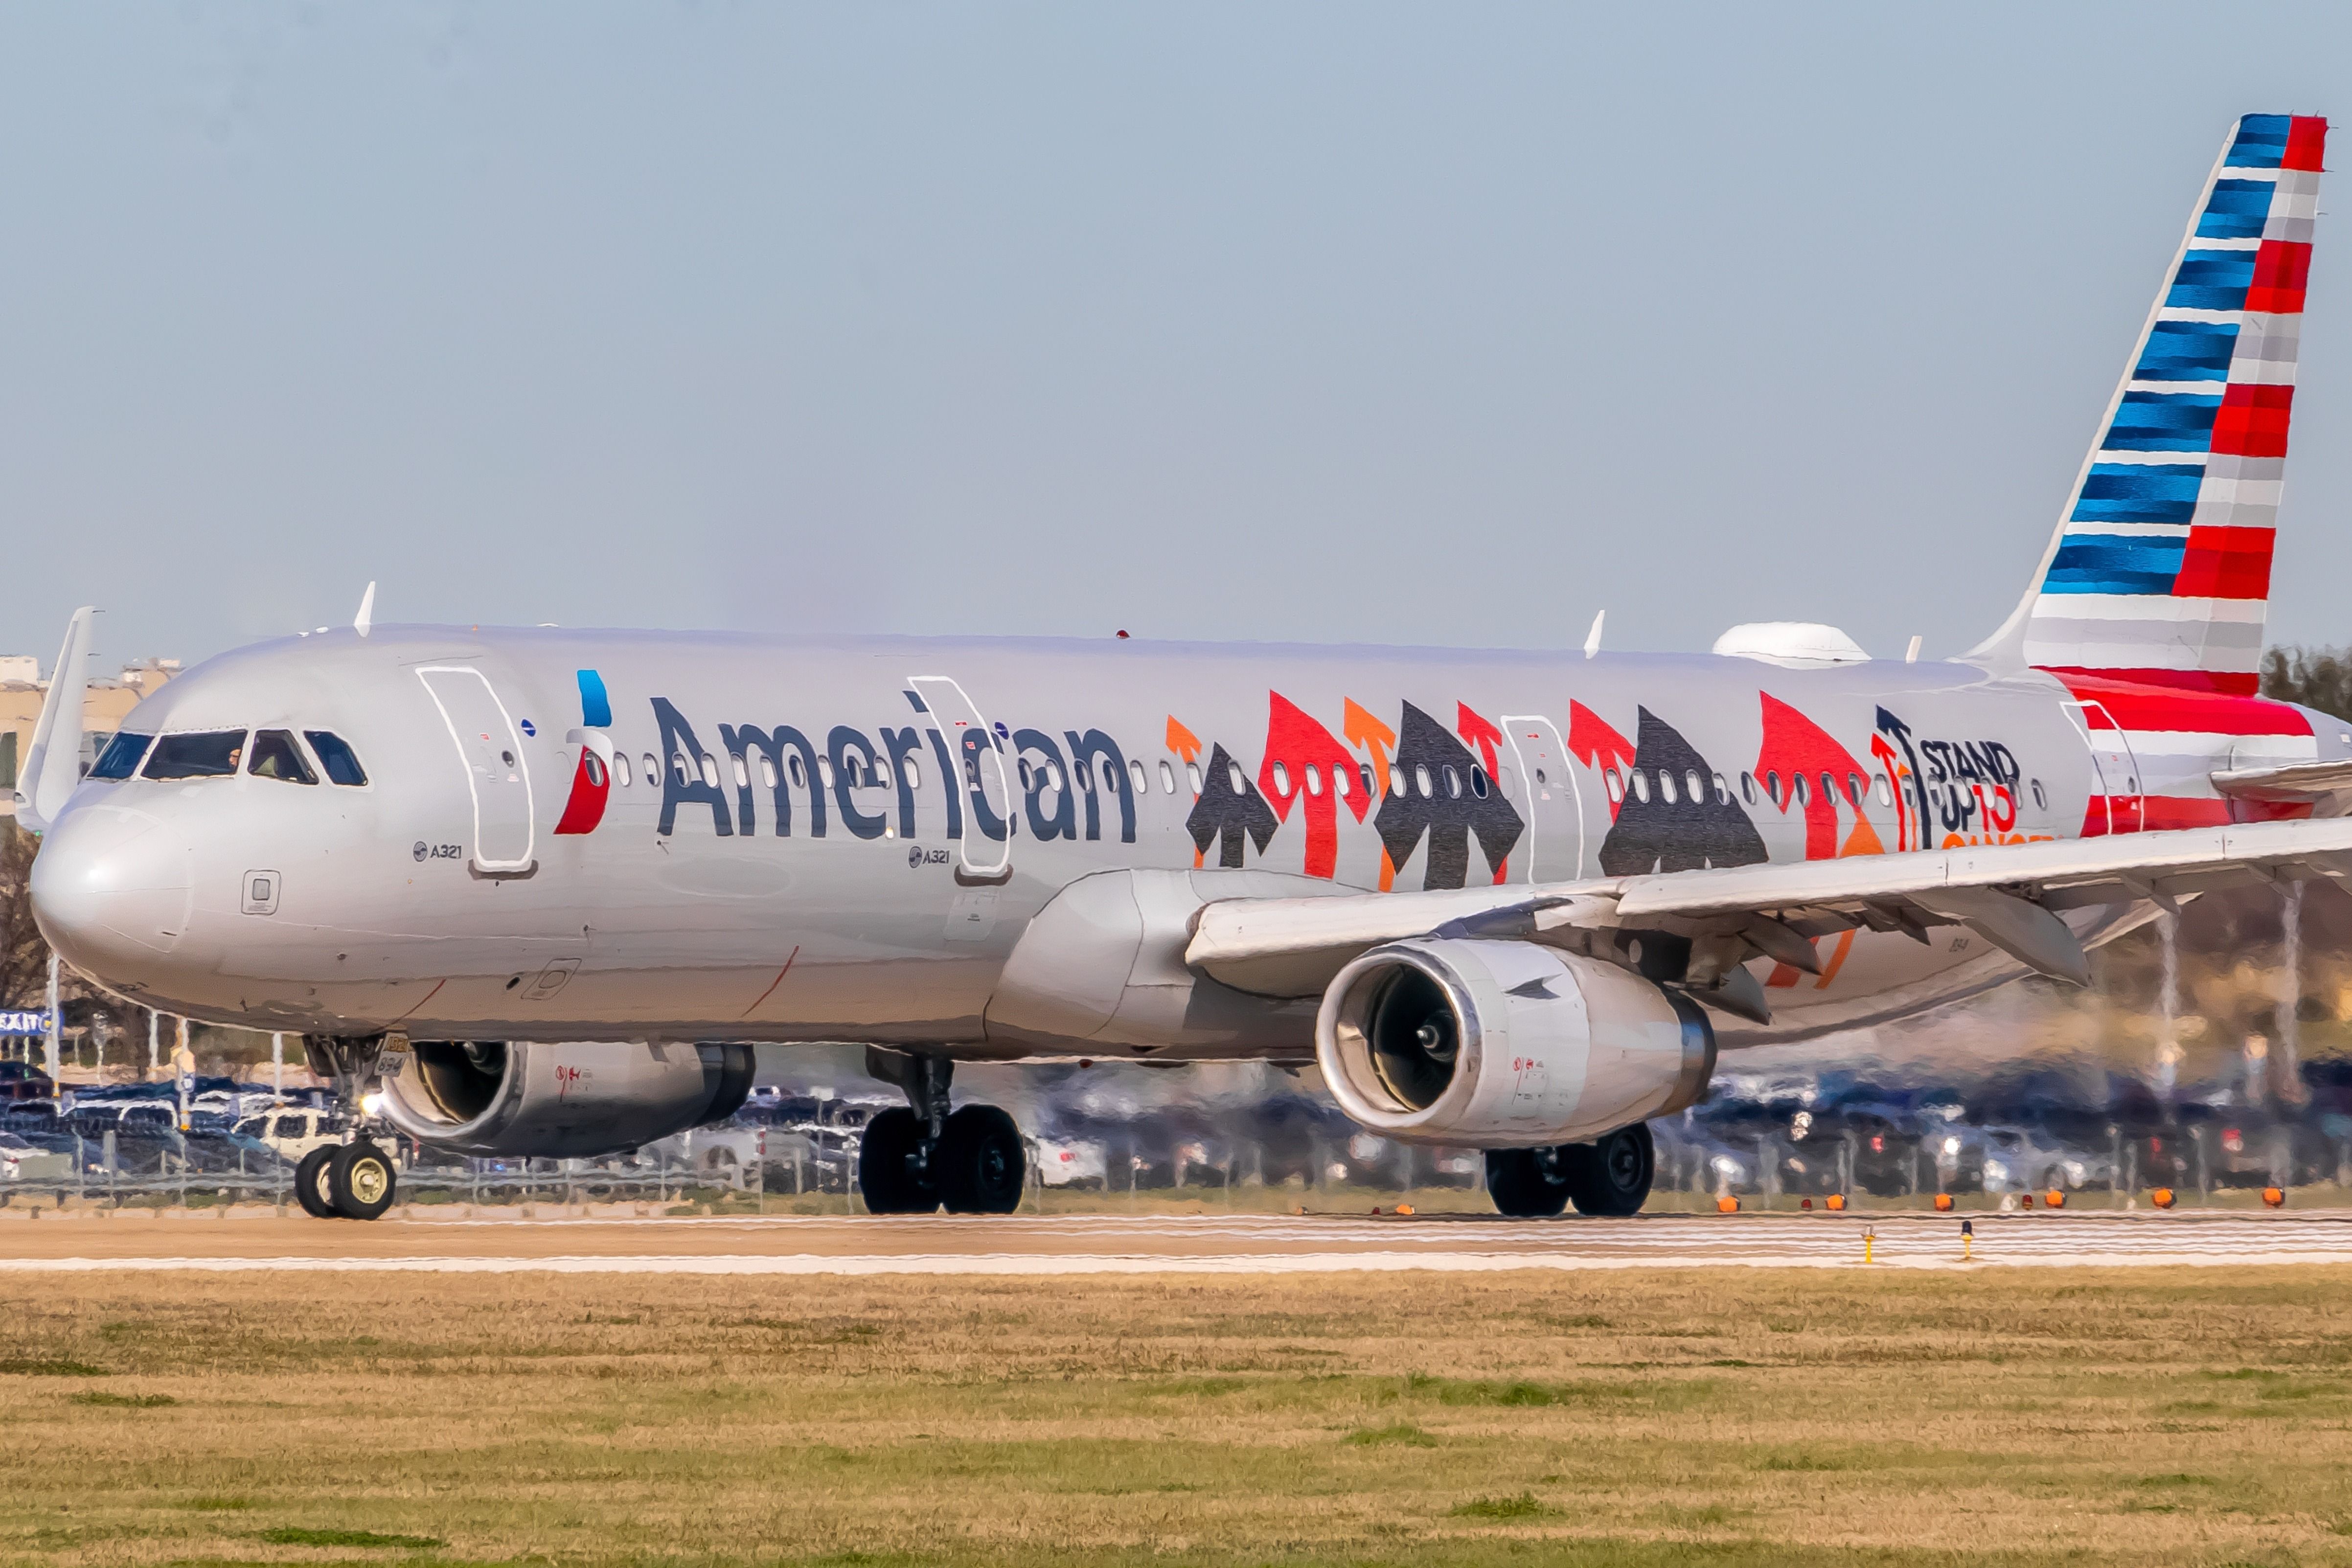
x=2159 y=571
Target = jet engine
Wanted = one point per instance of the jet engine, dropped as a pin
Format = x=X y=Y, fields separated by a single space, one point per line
x=559 y=1101
x=1506 y=1044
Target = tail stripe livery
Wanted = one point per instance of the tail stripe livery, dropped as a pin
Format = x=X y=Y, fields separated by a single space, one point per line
x=2159 y=572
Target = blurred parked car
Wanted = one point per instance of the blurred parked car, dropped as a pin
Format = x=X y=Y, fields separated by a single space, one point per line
x=23 y=1160
x=1072 y=1164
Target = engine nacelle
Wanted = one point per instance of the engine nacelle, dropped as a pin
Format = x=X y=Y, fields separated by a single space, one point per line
x=1506 y=1044
x=559 y=1101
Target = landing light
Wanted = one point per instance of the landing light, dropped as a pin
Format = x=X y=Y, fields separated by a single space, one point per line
x=372 y=1104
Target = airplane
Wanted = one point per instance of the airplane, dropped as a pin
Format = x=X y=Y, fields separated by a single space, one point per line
x=548 y=888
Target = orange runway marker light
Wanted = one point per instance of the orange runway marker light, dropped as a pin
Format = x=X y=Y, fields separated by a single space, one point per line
x=1727 y=1204
x=1834 y=1203
x=2161 y=1198
x=1404 y=1208
x=2274 y=1197
x=2055 y=1198
x=1943 y=1202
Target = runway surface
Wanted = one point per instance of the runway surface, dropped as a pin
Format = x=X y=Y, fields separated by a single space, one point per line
x=1105 y=1244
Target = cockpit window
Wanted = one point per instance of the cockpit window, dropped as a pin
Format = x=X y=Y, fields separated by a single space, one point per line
x=274 y=755
x=211 y=755
x=342 y=763
x=121 y=757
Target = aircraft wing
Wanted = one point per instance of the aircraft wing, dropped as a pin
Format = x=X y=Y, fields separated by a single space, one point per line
x=2009 y=894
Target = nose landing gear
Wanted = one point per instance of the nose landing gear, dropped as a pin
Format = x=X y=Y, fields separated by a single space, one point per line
x=354 y=1180
x=914 y=1160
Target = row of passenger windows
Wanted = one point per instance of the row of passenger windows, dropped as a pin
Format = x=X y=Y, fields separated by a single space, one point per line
x=1341 y=781
x=1692 y=785
x=219 y=753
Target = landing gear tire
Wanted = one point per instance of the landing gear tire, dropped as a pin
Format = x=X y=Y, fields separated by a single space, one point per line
x=310 y=1183
x=1611 y=1176
x=1528 y=1183
x=887 y=1174
x=363 y=1181
x=981 y=1164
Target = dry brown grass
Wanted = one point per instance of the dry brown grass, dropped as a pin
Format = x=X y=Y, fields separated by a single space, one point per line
x=1730 y=1417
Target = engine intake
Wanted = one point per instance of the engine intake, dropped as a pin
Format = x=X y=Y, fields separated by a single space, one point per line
x=1506 y=1044
x=559 y=1101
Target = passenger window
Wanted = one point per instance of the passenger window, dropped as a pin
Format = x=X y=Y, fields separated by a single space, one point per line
x=1193 y=776
x=1853 y=787
x=1666 y=785
x=912 y=772
x=1282 y=780
x=212 y=755
x=1797 y=788
x=121 y=757
x=1364 y=772
x=1772 y=784
x=1340 y=782
x=1829 y=788
x=1697 y=786
x=1237 y=779
x=1138 y=778
x=1167 y=779
x=742 y=771
x=1722 y=791
x=768 y=772
x=1616 y=790
x=1420 y=779
x=800 y=774
x=1314 y=780
x=621 y=768
x=653 y=769
x=1025 y=774
x=342 y=763
x=1641 y=785
x=710 y=770
x=274 y=755
x=1478 y=782
x=1747 y=787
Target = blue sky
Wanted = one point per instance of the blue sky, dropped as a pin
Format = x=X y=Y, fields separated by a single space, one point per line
x=1333 y=322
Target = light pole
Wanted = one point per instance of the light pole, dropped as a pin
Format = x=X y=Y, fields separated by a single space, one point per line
x=55 y=1067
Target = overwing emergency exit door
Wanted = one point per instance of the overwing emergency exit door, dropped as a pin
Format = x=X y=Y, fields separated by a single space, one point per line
x=985 y=852
x=1555 y=812
x=2115 y=771
x=491 y=749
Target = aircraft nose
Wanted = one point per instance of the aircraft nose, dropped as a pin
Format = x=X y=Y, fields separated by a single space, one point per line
x=112 y=891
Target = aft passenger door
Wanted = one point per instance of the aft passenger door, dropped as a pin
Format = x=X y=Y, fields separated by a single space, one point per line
x=2115 y=771
x=978 y=770
x=1555 y=812
x=491 y=749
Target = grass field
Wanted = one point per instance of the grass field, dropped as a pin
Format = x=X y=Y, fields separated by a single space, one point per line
x=1730 y=1417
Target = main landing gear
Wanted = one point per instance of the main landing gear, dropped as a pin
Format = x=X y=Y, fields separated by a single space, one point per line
x=346 y=1181
x=1610 y=1176
x=354 y=1180
x=914 y=1159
